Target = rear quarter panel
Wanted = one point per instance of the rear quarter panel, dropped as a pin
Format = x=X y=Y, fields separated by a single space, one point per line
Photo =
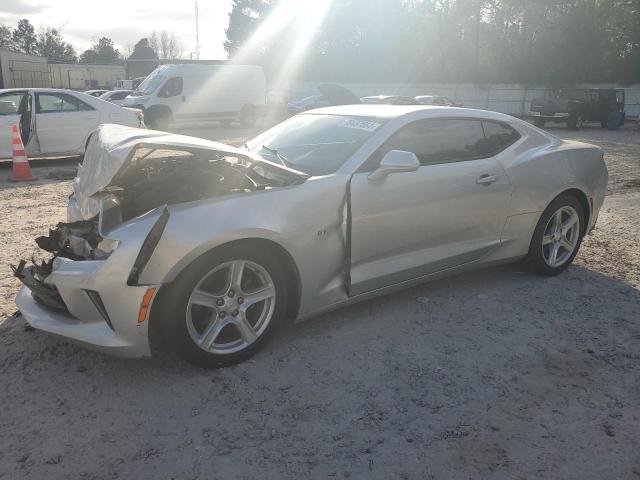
x=540 y=168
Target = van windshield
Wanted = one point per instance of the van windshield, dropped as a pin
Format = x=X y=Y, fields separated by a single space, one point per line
x=150 y=84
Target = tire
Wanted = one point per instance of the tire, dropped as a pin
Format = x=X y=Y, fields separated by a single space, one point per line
x=186 y=323
x=545 y=237
x=575 y=122
x=159 y=122
x=540 y=123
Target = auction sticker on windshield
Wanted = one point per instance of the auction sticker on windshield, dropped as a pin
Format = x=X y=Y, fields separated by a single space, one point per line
x=365 y=125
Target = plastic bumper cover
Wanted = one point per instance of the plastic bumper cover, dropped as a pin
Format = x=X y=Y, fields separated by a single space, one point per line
x=82 y=321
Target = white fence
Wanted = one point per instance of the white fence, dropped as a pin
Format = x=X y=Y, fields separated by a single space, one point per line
x=513 y=99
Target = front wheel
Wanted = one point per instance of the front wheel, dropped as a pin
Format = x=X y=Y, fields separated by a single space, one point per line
x=557 y=237
x=225 y=306
x=159 y=123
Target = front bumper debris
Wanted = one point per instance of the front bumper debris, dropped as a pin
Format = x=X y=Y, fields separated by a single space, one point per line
x=33 y=278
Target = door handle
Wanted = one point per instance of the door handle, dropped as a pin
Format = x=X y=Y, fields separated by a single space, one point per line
x=486 y=179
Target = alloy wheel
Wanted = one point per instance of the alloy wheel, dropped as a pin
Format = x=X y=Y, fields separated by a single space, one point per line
x=561 y=236
x=231 y=307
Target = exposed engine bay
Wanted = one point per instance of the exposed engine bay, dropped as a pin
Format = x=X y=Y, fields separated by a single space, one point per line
x=169 y=177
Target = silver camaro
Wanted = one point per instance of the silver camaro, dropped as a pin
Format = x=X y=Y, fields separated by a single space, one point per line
x=182 y=243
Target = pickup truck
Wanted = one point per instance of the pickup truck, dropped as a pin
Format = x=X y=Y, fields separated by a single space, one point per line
x=578 y=105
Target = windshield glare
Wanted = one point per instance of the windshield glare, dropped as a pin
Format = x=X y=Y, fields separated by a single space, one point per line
x=150 y=84
x=314 y=144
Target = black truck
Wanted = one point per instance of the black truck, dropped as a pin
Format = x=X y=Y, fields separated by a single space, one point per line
x=578 y=105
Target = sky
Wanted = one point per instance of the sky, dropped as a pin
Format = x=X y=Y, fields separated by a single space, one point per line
x=126 y=21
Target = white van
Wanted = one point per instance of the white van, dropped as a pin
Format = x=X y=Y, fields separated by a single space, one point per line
x=182 y=93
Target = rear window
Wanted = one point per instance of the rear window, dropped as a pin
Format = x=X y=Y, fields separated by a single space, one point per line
x=498 y=137
x=59 y=102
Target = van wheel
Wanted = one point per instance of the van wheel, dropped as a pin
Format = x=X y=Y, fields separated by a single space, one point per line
x=160 y=122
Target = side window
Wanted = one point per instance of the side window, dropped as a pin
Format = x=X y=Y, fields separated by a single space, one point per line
x=59 y=102
x=119 y=96
x=498 y=137
x=10 y=103
x=438 y=141
x=171 y=88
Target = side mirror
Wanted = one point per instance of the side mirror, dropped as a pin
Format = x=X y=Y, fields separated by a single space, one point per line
x=395 y=161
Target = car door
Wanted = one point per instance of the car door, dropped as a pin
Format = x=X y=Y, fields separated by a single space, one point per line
x=449 y=212
x=13 y=105
x=63 y=122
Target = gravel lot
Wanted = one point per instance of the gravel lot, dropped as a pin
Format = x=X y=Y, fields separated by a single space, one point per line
x=497 y=374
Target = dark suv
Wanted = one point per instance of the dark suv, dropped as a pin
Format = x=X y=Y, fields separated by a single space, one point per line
x=578 y=105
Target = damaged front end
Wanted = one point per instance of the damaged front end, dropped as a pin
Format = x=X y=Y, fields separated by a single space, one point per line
x=89 y=290
x=79 y=240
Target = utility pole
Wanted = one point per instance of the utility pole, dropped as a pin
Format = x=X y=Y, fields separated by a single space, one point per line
x=197 y=34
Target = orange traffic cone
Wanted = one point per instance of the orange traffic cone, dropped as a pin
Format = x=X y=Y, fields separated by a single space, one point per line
x=21 y=168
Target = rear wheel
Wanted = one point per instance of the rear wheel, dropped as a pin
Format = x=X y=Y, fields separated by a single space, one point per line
x=557 y=237
x=225 y=306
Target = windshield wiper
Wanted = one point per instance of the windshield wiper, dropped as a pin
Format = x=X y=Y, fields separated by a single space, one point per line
x=279 y=156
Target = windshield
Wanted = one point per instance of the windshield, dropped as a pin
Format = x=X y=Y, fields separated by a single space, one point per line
x=150 y=84
x=314 y=144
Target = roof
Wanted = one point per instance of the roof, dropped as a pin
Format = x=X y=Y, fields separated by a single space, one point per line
x=40 y=89
x=395 y=111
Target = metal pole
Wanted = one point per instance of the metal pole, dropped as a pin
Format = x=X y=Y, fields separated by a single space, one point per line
x=197 y=34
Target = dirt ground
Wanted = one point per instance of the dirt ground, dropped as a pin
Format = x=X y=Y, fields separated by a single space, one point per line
x=496 y=374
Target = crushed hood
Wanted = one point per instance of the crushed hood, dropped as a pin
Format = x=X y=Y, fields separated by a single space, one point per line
x=111 y=149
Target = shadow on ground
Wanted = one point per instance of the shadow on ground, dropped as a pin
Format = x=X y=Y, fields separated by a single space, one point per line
x=494 y=374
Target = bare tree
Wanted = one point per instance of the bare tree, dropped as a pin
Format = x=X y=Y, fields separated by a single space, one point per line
x=168 y=47
x=153 y=41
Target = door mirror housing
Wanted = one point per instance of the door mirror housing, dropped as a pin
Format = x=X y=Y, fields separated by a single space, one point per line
x=395 y=161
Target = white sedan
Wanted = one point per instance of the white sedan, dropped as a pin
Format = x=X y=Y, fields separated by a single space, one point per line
x=116 y=96
x=56 y=121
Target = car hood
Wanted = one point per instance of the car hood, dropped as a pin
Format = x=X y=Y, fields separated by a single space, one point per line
x=111 y=149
